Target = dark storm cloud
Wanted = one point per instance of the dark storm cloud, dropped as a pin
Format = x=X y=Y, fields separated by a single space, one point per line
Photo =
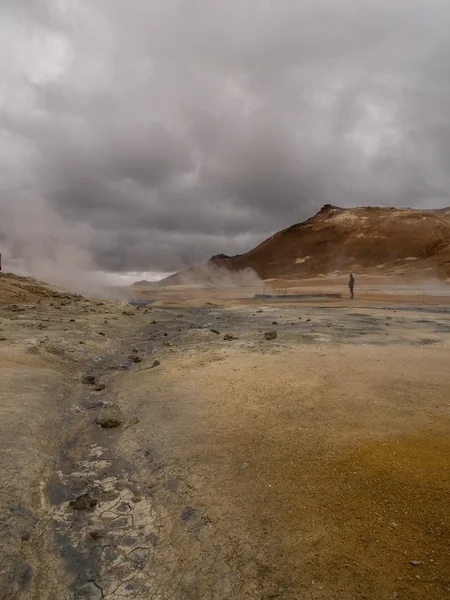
x=150 y=135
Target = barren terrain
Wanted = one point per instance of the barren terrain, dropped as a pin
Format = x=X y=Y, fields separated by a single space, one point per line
x=145 y=456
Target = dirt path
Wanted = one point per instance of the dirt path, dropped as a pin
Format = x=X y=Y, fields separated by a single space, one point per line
x=314 y=465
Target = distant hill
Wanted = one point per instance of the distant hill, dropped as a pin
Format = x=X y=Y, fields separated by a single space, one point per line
x=363 y=239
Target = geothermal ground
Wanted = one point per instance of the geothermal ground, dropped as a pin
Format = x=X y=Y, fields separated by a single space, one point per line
x=144 y=456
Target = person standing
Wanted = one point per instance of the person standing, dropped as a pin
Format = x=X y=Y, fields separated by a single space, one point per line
x=351 y=285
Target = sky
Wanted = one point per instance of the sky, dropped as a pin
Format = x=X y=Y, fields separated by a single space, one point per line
x=142 y=137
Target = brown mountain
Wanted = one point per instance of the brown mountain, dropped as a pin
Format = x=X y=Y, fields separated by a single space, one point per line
x=363 y=239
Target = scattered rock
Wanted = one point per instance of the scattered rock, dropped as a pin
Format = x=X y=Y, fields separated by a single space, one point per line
x=228 y=337
x=108 y=422
x=270 y=335
x=99 y=387
x=84 y=502
x=89 y=379
x=156 y=363
x=215 y=331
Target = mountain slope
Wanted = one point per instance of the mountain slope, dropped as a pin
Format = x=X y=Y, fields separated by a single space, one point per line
x=362 y=239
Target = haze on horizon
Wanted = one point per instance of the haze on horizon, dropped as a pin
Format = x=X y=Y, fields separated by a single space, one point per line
x=145 y=137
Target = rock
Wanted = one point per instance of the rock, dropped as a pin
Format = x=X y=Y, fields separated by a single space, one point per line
x=228 y=337
x=136 y=359
x=156 y=363
x=81 y=342
x=71 y=320
x=274 y=322
x=3 y=339
x=99 y=387
x=97 y=534
x=259 y=311
x=108 y=422
x=415 y=563
x=128 y=313
x=106 y=322
x=215 y=331
x=308 y=320
x=134 y=349
x=168 y=343
x=133 y=421
x=84 y=502
x=89 y=379
x=165 y=334
x=42 y=326
x=180 y=316
x=153 y=323
x=271 y=335
x=101 y=333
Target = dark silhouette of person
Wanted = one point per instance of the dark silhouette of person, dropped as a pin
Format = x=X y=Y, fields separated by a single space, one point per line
x=351 y=285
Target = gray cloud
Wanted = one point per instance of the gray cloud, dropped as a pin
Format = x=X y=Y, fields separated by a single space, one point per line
x=146 y=136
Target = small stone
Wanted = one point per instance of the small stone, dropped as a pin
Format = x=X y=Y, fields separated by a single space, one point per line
x=108 y=422
x=89 y=379
x=99 y=387
x=168 y=343
x=270 y=335
x=153 y=323
x=228 y=337
x=136 y=359
x=308 y=320
x=215 y=331
x=395 y=594
x=81 y=342
x=101 y=333
x=133 y=421
x=84 y=502
x=156 y=363
x=415 y=563
x=274 y=322
x=96 y=534
x=134 y=349
x=71 y=320
x=244 y=465
x=106 y=322
x=3 y=339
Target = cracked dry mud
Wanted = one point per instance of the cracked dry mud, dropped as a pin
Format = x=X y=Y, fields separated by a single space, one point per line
x=313 y=465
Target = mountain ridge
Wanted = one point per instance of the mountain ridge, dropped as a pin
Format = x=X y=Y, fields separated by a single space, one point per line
x=337 y=240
